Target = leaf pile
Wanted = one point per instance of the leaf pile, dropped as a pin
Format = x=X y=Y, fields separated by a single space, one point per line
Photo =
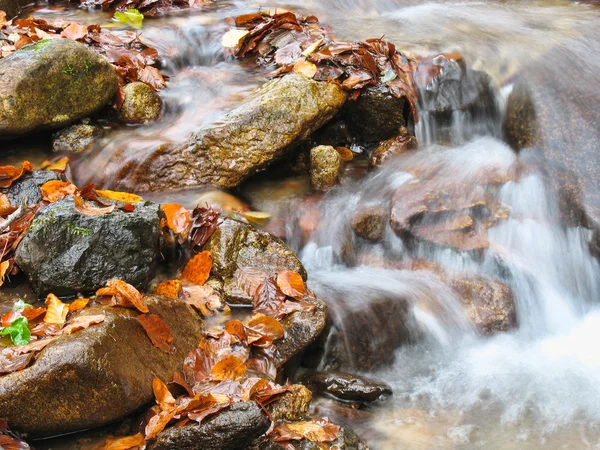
x=146 y=7
x=132 y=59
x=295 y=43
x=31 y=329
x=320 y=431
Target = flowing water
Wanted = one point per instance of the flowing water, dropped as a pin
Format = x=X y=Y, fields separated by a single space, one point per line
x=537 y=386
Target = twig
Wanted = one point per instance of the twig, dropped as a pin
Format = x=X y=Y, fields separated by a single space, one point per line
x=14 y=216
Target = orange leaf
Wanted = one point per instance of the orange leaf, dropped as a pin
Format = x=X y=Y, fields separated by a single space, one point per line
x=345 y=153
x=31 y=313
x=83 y=322
x=5 y=207
x=162 y=395
x=58 y=166
x=198 y=268
x=124 y=197
x=87 y=209
x=169 y=288
x=204 y=298
x=178 y=218
x=74 y=31
x=124 y=443
x=78 y=304
x=3 y=268
x=305 y=68
x=57 y=310
x=263 y=330
x=8 y=174
x=35 y=346
x=291 y=284
x=55 y=190
x=158 y=331
x=129 y=293
x=229 y=368
x=158 y=423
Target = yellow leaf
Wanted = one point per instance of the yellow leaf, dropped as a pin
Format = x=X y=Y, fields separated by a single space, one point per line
x=55 y=190
x=58 y=166
x=57 y=310
x=169 y=288
x=3 y=268
x=125 y=197
x=310 y=50
x=257 y=217
x=232 y=38
x=305 y=68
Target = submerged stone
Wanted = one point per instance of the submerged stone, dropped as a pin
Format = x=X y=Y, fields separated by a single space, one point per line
x=51 y=84
x=76 y=138
x=397 y=145
x=98 y=375
x=66 y=252
x=369 y=223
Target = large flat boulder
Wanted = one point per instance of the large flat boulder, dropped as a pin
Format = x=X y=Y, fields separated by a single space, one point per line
x=258 y=132
x=66 y=252
x=98 y=375
x=51 y=84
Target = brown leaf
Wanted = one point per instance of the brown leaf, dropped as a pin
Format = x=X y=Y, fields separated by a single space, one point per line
x=158 y=423
x=237 y=329
x=178 y=218
x=230 y=367
x=31 y=313
x=83 y=322
x=268 y=298
x=291 y=284
x=8 y=442
x=74 y=31
x=205 y=222
x=35 y=346
x=151 y=76
x=55 y=190
x=87 y=209
x=157 y=330
x=124 y=443
x=198 y=268
x=169 y=288
x=318 y=430
x=129 y=293
x=204 y=298
x=263 y=330
x=163 y=397
x=57 y=310
x=5 y=207
x=11 y=362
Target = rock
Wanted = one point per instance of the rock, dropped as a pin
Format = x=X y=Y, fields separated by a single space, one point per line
x=376 y=115
x=232 y=429
x=348 y=387
x=28 y=186
x=76 y=138
x=66 y=252
x=263 y=129
x=334 y=133
x=11 y=7
x=236 y=246
x=347 y=440
x=51 y=84
x=490 y=305
x=302 y=328
x=293 y=406
x=325 y=167
x=369 y=223
x=98 y=375
x=395 y=146
x=141 y=104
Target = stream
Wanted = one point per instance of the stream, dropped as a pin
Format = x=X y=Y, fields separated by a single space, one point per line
x=536 y=386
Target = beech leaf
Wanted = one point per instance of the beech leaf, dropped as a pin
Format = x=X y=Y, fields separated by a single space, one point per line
x=55 y=190
x=124 y=197
x=291 y=284
x=178 y=218
x=57 y=311
x=198 y=268
x=229 y=368
x=169 y=288
x=157 y=330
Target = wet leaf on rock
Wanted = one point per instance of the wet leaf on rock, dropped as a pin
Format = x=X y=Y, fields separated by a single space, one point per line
x=169 y=288
x=157 y=330
x=124 y=443
x=87 y=209
x=177 y=217
x=78 y=304
x=268 y=298
x=9 y=174
x=57 y=311
x=204 y=298
x=11 y=362
x=3 y=268
x=305 y=68
x=317 y=430
x=163 y=396
x=204 y=222
x=55 y=190
x=124 y=197
x=58 y=166
x=123 y=294
x=291 y=284
x=229 y=368
x=83 y=322
x=198 y=268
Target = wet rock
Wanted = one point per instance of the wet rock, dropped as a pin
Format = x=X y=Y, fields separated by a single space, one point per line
x=12 y=7
x=395 y=146
x=348 y=387
x=76 y=138
x=369 y=223
x=334 y=133
x=66 y=252
x=51 y=84
x=141 y=104
x=325 y=167
x=263 y=129
x=376 y=115
x=347 y=440
x=490 y=305
x=232 y=429
x=302 y=328
x=236 y=246
x=293 y=406
x=28 y=186
x=82 y=381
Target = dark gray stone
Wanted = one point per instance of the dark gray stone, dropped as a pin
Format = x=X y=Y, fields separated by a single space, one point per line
x=348 y=387
x=28 y=186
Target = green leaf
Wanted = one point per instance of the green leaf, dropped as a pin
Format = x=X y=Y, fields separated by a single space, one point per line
x=18 y=331
x=20 y=305
x=132 y=18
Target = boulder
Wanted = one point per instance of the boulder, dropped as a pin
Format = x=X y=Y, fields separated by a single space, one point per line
x=98 y=375
x=232 y=429
x=293 y=405
x=51 y=84
x=369 y=223
x=376 y=114
x=325 y=167
x=76 y=138
x=236 y=246
x=66 y=252
x=348 y=387
x=141 y=104
x=28 y=186
x=263 y=129
x=397 y=145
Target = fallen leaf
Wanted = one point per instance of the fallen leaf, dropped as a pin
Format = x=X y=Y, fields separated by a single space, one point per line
x=229 y=368
x=131 y=17
x=305 y=68
x=35 y=346
x=78 y=304
x=157 y=330
x=232 y=38
x=345 y=153
x=256 y=217
x=198 y=268
x=291 y=284
x=204 y=298
x=57 y=310
x=8 y=174
x=263 y=330
x=129 y=293
x=204 y=222
x=124 y=197
x=163 y=396
x=312 y=48
x=31 y=313
x=3 y=268
x=83 y=322
x=268 y=298
x=58 y=166
x=55 y=190
x=124 y=443
x=11 y=362
x=317 y=430
x=169 y=288
x=158 y=423
x=178 y=218
x=18 y=331
x=74 y=31
x=87 y=209
x=5 y=207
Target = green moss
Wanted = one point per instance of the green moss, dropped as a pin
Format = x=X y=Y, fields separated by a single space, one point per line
x=70 y=70
x=38 y=45
x=77 y=231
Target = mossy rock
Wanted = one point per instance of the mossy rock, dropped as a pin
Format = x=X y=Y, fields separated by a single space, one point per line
x=141 y=104
x=51 y=84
